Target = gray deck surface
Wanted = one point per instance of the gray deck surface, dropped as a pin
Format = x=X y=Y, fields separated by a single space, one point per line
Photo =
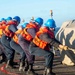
x=58 y=68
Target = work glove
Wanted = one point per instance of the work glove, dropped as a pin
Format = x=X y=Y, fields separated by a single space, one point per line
x=63 y=47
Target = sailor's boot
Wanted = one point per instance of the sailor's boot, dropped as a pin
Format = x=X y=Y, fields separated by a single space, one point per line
x=48 y=71
x=3 y=59
x=10 y=64
x=22 y=66
x=26 y=65
x=31 y=70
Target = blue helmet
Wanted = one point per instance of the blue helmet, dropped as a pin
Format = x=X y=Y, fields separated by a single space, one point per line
x=9 y=18
x=24 y=25
x=3 y=19
x=17 y=18
x=39 y=21
x=50 y=23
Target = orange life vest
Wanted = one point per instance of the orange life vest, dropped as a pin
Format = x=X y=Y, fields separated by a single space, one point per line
x=7 y=32
x=41 y=43
x=11 y=22
x=25 y=34
x=3 y=23
x=1 y=33
x=15 y=38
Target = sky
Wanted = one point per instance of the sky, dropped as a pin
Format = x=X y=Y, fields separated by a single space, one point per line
x=63 y=10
